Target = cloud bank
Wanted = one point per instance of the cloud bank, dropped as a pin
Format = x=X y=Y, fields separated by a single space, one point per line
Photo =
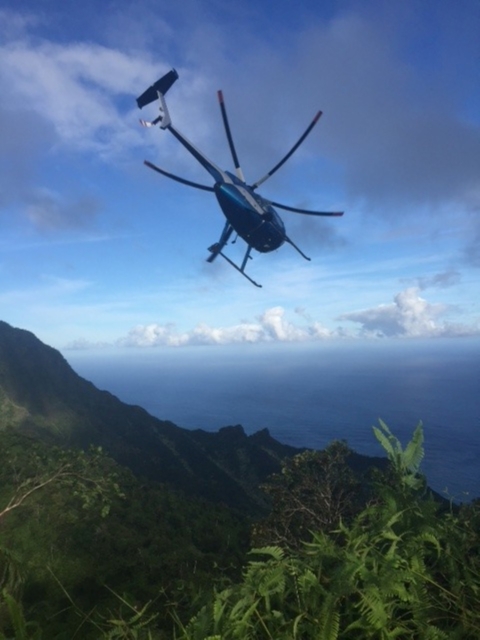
x=408 y=316
x=271 y=326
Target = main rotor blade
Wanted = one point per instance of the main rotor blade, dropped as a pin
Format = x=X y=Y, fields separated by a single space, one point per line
x=292 y=150
x=189 y=183
x=238 y=170
x=306 y=211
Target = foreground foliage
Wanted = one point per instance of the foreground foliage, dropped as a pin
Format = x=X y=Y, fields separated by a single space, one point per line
x=398 y=570
x=341 y=559
x=87 y=549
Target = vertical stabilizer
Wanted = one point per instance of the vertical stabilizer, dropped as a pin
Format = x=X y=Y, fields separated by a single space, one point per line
x=160 y=86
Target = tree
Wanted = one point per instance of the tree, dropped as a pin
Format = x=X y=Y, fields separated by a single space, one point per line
x=313 y=491
x=28 y=466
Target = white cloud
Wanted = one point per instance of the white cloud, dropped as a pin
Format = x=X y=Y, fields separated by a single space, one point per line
x=271 y=326
x=75 y=87
x=408 y=316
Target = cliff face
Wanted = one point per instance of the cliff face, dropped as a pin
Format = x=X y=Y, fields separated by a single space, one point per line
x=42 y=395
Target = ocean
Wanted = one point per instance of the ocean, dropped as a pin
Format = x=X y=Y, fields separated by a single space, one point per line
x=310 y=394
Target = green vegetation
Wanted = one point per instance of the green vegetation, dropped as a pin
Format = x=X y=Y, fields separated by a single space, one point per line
x=89 y=551
x=400 y=569
x=84 y=542
x=313 y=491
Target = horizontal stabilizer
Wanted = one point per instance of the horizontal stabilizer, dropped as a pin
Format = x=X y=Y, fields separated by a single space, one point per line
x=146 y=123
x=160 y=86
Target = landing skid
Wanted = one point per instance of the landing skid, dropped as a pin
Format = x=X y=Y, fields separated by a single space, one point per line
x=287 y=239
x=216 y=250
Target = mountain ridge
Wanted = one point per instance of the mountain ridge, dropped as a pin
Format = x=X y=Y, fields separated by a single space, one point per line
x=41 y=395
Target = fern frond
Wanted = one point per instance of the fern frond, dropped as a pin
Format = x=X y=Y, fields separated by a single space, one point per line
x=414 y=451
x=272 y=581
x=16 y=616
x=387 y=440
x=219 y=606
x=434 y=633
x=19 y=624
x=277 y=553
x=241 y=625
x=373 y=607
x=329 y=620
x=432 y=539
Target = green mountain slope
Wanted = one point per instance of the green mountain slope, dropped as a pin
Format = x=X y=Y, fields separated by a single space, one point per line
x=40 y=394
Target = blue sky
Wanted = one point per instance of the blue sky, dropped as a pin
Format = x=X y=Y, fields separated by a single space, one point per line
x=96 y=249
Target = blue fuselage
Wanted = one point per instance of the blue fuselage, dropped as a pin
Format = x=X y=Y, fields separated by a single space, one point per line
x=252 y=217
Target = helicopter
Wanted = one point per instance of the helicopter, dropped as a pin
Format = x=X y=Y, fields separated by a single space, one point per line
x=252 y=217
